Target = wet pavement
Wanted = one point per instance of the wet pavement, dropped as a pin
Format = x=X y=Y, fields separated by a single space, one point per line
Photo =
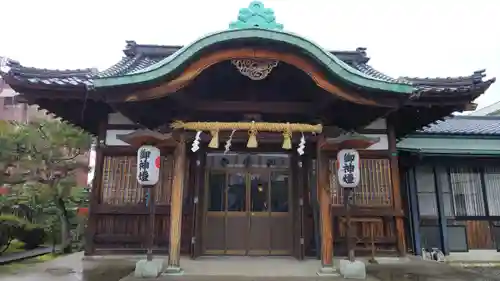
x=430 y=271
x=71 y=268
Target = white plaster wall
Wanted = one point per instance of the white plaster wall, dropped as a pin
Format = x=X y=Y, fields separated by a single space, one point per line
x=112 y=137
x=379 y=124
x=117 y=118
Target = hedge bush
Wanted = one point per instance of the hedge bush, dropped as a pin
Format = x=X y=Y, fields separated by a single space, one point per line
x=13 y=227
x=31 y=235
x=9 y=226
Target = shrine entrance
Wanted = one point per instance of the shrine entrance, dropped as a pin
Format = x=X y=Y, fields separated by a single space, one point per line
x=247 y=204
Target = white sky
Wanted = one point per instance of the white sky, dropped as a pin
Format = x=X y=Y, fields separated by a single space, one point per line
x=403 y=37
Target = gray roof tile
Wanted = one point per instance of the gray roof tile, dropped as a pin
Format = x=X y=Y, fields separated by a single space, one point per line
x=465 y=125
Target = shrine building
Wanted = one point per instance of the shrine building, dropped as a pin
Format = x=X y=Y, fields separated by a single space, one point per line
x=249 y=121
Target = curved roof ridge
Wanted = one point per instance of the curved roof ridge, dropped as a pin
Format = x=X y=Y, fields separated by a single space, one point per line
x=181 y=56
x=132 y=48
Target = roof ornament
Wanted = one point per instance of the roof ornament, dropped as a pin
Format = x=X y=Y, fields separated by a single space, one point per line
x=256 y=16
x=254 y=69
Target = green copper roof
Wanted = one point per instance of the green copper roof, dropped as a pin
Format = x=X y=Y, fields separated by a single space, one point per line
x=256 y=22
x=451 y=145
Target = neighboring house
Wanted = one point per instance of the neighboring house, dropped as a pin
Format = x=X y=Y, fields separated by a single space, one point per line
x=10 y=109
x=452 y=174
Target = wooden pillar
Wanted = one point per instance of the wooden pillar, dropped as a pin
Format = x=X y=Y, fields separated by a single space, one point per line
x=396 y=188
x=96 y=191
x=176 y=206
x=323 y=188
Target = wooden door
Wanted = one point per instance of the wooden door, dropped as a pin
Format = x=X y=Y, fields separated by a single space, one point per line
x=280 y=213
x=226 y=217
x=236 y=216
x=215 y=219
x=248 y=211
x=259 y=236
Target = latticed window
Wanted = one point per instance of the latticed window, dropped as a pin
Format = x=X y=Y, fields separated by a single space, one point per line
x=426 y=191
x=467 y=192
x=374 y=188
x=119 y=185
x=461 y=188
x=492 y=184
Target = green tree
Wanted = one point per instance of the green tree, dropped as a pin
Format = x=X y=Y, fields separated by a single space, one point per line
x=11 y=153
x=48 y=154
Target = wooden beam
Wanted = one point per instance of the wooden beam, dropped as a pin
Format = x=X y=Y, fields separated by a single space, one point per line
x=470 y=106
x=323 y=187
x=95 y=195
x=176 y=206
x=196 y=68
x=396 y=186
x=252 y=107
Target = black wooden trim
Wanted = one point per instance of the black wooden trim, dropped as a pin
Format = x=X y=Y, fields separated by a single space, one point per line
x=442 y=216
x=483 y=189
x=456 y=160
x=476 y=218
x=123 y=127
x=414 y=212
x=372 y=131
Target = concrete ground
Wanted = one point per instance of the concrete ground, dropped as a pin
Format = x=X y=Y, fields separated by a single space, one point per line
x=73 y=268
